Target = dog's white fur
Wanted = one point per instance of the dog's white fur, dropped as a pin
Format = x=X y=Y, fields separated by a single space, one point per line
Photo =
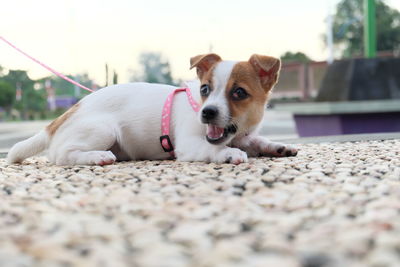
x=222 y=72
x=123 y=122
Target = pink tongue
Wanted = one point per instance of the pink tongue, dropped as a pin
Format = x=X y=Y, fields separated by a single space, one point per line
x=214 y=132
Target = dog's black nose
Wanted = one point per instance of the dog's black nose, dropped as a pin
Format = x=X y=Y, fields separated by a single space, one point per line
x=209 y=113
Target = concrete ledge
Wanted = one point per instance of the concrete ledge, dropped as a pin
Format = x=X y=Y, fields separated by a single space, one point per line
x=325 y=108
x=342 y=138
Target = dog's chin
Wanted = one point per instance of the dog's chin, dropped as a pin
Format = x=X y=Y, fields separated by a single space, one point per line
x=217 y=135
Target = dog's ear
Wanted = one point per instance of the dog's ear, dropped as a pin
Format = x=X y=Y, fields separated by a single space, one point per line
x=203 y=63
x=267 y=69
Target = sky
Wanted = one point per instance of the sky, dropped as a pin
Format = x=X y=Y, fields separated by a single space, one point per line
x=76 y=36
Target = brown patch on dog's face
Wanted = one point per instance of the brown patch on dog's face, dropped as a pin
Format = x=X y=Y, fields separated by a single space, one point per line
x=54 y=125
x=248 y=89
x=206 y=79
x=203 y=63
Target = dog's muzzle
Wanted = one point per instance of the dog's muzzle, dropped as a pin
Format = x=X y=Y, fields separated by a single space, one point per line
x=215 y=133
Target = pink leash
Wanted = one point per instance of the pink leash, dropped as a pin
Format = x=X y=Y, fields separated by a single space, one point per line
x=46 y=67
x=165 y=140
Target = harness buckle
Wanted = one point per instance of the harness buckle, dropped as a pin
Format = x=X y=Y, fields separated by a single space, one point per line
x=166 y=143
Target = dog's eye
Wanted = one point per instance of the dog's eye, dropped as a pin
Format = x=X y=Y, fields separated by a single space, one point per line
x=239 y=94
x=205 y=90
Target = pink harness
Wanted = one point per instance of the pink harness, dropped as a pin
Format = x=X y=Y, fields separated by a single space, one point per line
x=165 y=140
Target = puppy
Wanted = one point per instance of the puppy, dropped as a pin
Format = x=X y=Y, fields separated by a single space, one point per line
x=122 y=122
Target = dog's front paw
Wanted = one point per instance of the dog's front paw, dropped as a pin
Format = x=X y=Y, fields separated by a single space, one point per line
x=231 y=155
x=103 y=158
x=278 y=150
x=286 y=151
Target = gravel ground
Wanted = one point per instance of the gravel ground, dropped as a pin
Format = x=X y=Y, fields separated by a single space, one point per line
x=333 y=205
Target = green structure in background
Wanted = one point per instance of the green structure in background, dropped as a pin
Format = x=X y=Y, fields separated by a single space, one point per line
x=369 y=29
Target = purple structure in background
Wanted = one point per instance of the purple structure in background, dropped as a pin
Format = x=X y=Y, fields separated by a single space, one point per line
x=351 y=117
x=65 y=101
x=337 y=124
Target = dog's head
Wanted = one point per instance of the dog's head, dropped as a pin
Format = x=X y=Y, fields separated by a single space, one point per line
x=234 y=94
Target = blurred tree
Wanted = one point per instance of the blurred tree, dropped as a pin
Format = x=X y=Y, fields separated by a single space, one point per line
x=18 y=76
x=106 y=76
x=32 y=100
x=7 y=95
x=349 y=29
x=115 y=77
x=66 y=88
x=85 y=80
x=155 y=69
x=295 y=57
